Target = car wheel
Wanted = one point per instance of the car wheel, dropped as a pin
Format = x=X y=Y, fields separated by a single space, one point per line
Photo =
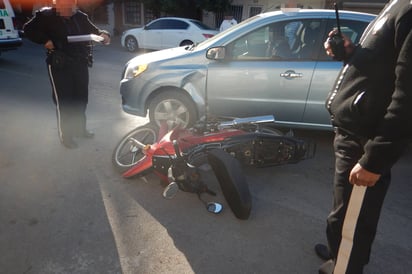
x=131 y=43
x=186 y=43
x=174 y=107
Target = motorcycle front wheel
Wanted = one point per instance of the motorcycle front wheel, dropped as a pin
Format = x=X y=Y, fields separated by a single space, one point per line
x=128 y=152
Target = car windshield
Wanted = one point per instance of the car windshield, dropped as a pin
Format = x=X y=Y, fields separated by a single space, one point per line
x=201 y=25
x=208 y=42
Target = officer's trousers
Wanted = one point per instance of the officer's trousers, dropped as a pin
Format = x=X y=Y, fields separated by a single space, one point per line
x=348 y=150
x=70 y=95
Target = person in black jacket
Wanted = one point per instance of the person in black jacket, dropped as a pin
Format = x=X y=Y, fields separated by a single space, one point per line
x=371 y=109
x=67 y=63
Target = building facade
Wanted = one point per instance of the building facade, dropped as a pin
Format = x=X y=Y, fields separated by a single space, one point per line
x=131 y=14
x=121 y=15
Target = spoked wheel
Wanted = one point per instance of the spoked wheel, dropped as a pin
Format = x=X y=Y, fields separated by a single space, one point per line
x=129 y=150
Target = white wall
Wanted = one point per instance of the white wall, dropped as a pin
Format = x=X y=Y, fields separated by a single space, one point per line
x=268 y=5
x=265 y=5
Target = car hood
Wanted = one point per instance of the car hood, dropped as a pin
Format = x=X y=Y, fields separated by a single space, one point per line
x=159 y=55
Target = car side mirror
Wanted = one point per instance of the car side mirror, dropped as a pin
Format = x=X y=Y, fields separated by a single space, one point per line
x=216 y=53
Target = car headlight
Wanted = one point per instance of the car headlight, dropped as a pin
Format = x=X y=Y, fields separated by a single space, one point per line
x=133 y=71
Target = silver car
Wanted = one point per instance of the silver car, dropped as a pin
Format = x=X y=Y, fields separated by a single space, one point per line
x=273 y=63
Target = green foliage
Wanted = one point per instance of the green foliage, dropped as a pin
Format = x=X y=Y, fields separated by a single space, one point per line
x=215 y=5
x=183 y=8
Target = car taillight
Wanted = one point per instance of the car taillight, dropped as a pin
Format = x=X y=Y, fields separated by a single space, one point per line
x=206 y=35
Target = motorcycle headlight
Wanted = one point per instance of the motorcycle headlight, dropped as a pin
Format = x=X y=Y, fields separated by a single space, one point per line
x=133 y=71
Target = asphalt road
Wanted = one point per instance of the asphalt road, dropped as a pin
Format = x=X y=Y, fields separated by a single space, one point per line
x=68 y=211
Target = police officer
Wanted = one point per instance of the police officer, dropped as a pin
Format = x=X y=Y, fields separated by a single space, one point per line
x=371 y=109
x=67 y=63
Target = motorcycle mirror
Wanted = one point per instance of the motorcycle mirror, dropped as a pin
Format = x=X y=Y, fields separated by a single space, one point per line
x=171 y=190
x=214 y=207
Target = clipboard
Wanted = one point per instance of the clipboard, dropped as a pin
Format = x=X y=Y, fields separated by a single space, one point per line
x=84 y=38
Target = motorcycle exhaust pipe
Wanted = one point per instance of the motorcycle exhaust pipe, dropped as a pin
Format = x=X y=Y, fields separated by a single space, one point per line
x=248 y=120
x=138 y=143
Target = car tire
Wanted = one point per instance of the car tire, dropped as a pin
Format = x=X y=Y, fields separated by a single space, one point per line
x=131 y=43
x=173 y=106
x=186 y=43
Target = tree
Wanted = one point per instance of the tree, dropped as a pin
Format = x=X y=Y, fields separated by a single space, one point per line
x=156 y=6
x=216 y=5
x=183 y=8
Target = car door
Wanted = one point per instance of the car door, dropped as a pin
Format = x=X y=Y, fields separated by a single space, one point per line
x=151 y=36
x=265 y=72
x=326 y=72
x=174 y=32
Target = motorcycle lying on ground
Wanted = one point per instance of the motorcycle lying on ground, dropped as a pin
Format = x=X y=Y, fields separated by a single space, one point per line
x=176 y=156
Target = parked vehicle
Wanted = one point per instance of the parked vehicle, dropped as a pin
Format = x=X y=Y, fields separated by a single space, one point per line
x=9 y=35
x=176 y=155
x=166 y=32
x=271 y=63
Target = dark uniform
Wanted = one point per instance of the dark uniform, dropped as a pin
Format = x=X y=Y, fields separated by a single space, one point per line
x=67 y=66
x=371 y=109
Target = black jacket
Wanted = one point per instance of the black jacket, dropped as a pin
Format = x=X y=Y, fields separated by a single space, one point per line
x=372 y=97
x=48 y=25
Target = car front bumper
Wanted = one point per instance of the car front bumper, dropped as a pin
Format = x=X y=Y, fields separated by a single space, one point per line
x=132 y=100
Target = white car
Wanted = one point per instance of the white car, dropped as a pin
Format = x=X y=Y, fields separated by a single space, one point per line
x=166 y=32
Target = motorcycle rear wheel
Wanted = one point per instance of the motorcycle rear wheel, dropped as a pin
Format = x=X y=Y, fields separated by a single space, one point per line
x=126 y=153
x=232 y=182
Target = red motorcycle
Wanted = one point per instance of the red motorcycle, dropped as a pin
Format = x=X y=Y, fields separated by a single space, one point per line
x=176 y=155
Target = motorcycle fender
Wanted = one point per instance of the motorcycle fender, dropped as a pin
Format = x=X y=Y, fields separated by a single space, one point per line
x=234 y=186
x=143 y=165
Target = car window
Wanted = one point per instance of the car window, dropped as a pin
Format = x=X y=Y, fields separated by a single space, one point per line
x=174 y=24
x=167 y=24
x=287 y=40
x=200 y=25
x=155 y=25
x=351 y=28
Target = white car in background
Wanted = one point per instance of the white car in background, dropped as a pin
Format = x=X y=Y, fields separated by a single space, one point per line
x=166 y=32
